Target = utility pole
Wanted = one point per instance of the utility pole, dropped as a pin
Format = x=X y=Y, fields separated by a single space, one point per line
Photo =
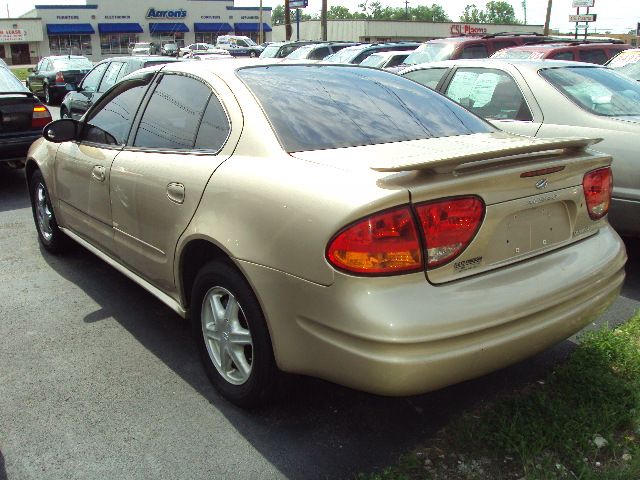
x=406 y=8
x=524 y=7
x=287 y=20
x=261 y=30
x=548 y=20
x=323 y=21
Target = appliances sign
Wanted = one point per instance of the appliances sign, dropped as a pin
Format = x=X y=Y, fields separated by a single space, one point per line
x=458 y=29
x=13 y=35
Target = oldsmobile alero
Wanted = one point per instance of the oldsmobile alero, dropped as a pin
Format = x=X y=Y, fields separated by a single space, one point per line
x=334 y=221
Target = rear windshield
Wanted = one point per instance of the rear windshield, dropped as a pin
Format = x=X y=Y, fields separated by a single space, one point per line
x=431 y=52
x=512 y=53
x=72 y=64
x=345 y=55
x=270 y=52
x=301 y=52
x=598 y=90
x=374 y=60
x=9 y=83
x=316 y=107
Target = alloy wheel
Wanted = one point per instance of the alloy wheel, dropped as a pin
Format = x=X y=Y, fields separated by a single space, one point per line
x=227 y=336
x=44 y=215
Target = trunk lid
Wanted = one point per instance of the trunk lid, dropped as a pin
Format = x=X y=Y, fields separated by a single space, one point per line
x=532 y=190
x=16 y=111
x=73 y=76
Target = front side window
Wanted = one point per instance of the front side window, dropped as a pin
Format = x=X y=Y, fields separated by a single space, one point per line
x=316 y=107
x=489 y=93
x=597 y=90
x=563 y=56
x=110 y=76
x=110 y=120
x=429 y=77
x=92 y=80
x=173 y=115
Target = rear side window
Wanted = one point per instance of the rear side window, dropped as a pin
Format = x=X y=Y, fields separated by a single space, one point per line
x=563 y=56
x=475 y=51
x=489 y=93
x=319 y=53
x=9 y=82
x=429 y=77
x=173 y=113
x=593 y=56
x=214 y=128
x=499 y=45
x=322 y=106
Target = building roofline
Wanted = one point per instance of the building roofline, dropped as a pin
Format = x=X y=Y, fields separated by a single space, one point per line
x=66 y=7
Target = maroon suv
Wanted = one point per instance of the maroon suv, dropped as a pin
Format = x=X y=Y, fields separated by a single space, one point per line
x=589 y=52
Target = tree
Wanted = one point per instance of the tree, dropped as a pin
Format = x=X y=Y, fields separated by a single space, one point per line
x=472 y=14
x=500 y=12
x=496 y=12
x=277 y=15
x=337 y=12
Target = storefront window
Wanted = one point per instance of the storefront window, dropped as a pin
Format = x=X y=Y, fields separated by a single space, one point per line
x=117 y=43
x=207 y=37
x=252 y=35
x=70 y=44
x=162 y=38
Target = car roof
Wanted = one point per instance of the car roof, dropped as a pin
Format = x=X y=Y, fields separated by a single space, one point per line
x=61 y=57
x=521 y=64
x=140 y=58
x=555 y=45
x=390 y=53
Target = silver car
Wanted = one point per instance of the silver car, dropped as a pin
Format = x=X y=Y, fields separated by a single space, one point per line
x=551 y=98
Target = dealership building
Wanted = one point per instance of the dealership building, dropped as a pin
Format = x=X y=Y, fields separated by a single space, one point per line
x=384 y=30
x=106 y=28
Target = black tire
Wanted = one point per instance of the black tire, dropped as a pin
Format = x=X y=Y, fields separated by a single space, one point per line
x=54 y=241
x=265 y=380
x=49 y=97
x=252 y=54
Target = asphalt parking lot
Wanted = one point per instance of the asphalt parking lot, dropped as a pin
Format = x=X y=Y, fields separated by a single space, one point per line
x=100 y=380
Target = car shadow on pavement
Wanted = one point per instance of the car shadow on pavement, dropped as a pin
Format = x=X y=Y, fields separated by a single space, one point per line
x=13 y=188
x=320 y=430
x=631 y=288
x=3 y=471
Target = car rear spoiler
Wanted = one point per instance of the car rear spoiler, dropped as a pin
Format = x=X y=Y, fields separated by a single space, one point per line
x=446 y=154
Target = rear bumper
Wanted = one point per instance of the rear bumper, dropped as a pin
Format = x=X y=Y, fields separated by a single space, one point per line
x=402 y=336
x=16 y=147
x=624 y=215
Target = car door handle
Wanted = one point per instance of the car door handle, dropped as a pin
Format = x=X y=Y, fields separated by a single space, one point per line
x=175 y=192
x=98 y=173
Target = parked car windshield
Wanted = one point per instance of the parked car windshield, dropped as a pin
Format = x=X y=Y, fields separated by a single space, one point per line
x=270 y=52
x=301 y=52
x=72 y=64
x=431 y=52
x=512 y=53
x=9 y=82
x=374 y=60
x=345 y=55
x=597 y=90
x=316 y=107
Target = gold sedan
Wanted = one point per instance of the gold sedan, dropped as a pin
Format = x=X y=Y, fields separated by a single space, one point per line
x=334 y=221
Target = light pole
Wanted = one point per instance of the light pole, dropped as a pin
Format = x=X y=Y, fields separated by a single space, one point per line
x=548 y=20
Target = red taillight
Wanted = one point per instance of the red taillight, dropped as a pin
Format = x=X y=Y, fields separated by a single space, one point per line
x=598 y=185
x=449 y=226
x=40 y=116
x=384 y=243
x=59 y=77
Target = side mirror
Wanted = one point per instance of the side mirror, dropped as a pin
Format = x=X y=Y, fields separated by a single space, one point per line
x=60 y=131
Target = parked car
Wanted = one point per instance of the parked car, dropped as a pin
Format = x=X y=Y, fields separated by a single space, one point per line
x=553 y=98
x=315 y=51
x=50 y=77
x=103 y=76
x=588 y=52
x=385 y=59
x=356 y=54
x=169 y=50
x=284 y=49
x=239 y=45
x=627 y=62
x=197 y=48
x=468 y=46
x=212 y=52
x=22 y=117
x=221 y=55
x=391 y=243
x=144 y=48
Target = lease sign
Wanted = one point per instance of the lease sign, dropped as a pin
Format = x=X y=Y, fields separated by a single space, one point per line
x=13 y=35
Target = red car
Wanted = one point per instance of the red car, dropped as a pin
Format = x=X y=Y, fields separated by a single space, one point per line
x=589 y=52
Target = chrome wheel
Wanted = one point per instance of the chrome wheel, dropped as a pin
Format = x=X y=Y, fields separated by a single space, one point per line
x=44 y=215
x=227 y=336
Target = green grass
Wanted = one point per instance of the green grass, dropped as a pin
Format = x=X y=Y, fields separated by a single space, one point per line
x=547 y=431
x=21 y=73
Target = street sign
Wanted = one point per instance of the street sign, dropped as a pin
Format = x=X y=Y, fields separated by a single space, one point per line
x=298 y=3
x=583 y=18
x=583 y=3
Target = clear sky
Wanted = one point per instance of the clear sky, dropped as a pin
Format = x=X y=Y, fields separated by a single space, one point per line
x=617 y=16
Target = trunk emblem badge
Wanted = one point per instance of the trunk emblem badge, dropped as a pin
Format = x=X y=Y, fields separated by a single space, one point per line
x=541 y=184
